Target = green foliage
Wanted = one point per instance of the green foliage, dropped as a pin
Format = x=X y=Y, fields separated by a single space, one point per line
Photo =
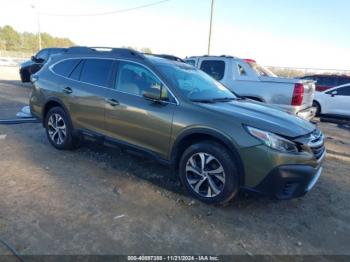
x=146 y=50
x=11 y=40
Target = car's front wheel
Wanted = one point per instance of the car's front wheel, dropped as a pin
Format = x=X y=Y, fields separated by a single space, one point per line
x=59 y=129
x=209 y=172
x=318 y=107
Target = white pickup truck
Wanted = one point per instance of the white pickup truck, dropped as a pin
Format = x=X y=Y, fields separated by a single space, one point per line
x=248 y=79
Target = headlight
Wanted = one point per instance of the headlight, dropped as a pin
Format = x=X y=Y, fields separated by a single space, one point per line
x=272 y=140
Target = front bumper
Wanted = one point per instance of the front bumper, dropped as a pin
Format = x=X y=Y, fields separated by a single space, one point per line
x=289 y=181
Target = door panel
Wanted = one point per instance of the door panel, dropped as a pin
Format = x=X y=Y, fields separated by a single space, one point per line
x=135 y=120
x=338 y=104
x=88 y=83
x=140 y=122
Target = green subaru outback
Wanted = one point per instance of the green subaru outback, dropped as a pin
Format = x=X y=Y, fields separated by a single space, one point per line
x=217 y=142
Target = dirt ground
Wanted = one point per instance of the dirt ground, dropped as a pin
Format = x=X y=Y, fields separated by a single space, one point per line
x=101 y=200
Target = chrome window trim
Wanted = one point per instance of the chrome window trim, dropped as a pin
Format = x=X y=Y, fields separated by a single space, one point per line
x=113 y=89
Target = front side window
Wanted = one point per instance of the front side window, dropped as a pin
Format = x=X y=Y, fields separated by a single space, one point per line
x=195 y=84
x=343 y=91
x=135 y=79
x=65 y=67
x=96 y=71
x=214 y=68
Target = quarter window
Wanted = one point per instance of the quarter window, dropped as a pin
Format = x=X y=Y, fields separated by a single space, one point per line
x=215 y=68
x=96 y=71
x=65 y=67
x=135 y=79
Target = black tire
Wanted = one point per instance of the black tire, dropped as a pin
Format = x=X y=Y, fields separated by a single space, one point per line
x=228 y=189
x=318 y=107
x=70 y=140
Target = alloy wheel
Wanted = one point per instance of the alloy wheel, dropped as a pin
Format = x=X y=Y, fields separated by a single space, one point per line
x=57 y=129
x=205 y=175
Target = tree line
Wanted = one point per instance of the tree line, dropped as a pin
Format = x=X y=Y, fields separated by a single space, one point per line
x=11 y=40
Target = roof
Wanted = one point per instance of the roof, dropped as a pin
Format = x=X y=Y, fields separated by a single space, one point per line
x=213 y=56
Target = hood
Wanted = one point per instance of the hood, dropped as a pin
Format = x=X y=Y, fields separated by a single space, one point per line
x=262 y=116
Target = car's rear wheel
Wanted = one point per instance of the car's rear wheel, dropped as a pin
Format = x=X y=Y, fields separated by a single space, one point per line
x=59 y=129
x=209 y=172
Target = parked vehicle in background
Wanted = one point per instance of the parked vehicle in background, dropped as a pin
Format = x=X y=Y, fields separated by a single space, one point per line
x=7 y=62
x=325 y=82
x=334 y=101
x=180 y=116
x=36 y=62
x=248 y=79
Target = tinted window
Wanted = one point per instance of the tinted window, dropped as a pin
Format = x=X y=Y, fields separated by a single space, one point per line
x=191 y=62
x=77 y=71
x=65 y=67
x=214 y=68
x=135 y=79
x=96 y=71
x=343 y=80
x=343 y=91
x=326 y=81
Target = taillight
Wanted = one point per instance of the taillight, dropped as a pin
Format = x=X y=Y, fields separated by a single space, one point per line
x=298 y=95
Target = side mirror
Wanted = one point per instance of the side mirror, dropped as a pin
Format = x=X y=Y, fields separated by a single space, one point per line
x=39 y=60
x=334 y=93
x=33 y=58
x=152 y=94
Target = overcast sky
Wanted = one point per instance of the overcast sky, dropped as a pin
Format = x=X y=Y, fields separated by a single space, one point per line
x=295 y=33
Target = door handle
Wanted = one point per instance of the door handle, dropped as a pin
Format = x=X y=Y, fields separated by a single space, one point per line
x=67 y=90
x=112 y=102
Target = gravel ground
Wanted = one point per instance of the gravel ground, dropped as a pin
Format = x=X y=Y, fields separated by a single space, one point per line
x=102 y=200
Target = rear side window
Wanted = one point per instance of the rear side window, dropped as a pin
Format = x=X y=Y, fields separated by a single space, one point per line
x=96 y=71
x=77 y=71
x=241 y=70
x=65 y=67
x=215 y=68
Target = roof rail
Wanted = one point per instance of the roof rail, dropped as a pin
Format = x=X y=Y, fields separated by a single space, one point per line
x=112 y=50
x=169 y=57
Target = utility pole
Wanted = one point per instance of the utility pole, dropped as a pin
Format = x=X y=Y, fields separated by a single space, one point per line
x=38 y=21
x=211 y=24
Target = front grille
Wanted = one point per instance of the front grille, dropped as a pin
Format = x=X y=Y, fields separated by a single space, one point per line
x=316 y=143
x=318 y=151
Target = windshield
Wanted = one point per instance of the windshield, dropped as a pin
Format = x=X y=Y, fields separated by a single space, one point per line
x=260 y=70
x=195 y=84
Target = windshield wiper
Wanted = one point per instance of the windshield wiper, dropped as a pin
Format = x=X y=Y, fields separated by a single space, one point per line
x=203 y=100
x=224 y=99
